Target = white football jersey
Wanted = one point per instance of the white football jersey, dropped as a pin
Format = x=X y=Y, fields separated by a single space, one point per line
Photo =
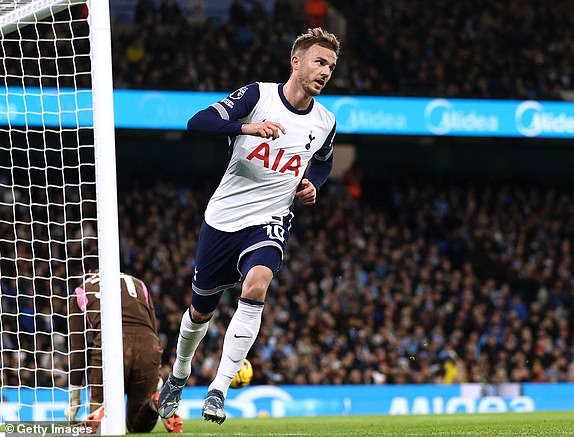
x=262 y=176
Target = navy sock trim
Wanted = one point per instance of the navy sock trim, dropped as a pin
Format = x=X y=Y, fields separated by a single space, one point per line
x=251 y=302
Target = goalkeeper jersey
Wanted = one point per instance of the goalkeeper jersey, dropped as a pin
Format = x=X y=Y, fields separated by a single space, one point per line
x=262 y=176
x=138 y=317
x=85 y=319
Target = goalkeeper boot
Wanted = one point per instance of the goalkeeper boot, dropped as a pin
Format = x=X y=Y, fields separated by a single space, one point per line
x=95 y=418
x=213 y=407
x=174 y=423
x=170 y=396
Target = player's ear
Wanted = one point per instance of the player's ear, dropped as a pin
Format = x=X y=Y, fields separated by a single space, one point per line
x=295 y=62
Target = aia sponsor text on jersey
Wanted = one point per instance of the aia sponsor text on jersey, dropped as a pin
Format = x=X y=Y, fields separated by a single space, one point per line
x=263 y=153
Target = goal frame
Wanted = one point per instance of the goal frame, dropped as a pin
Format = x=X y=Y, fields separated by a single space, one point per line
x=107 y=217
x=20 y=13
x=34 y=10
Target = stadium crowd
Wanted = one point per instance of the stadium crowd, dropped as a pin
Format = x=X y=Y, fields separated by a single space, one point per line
x=442 y=48
x=413 y=284
x=45 y=236
x=438 y=285
x=416 y=284
x=446 y=48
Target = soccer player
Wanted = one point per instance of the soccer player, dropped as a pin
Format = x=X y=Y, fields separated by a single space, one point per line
x=275 y=131
x=142 y=353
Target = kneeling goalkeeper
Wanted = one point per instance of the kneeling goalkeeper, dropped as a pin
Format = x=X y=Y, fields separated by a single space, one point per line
x=142 y=353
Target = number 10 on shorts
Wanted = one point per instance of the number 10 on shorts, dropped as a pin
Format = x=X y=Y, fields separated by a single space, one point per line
x=275 y=232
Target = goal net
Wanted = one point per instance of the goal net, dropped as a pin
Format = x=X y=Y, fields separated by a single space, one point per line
x=50 y=214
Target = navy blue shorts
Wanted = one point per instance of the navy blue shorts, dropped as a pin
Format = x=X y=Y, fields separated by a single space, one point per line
x=222 y=258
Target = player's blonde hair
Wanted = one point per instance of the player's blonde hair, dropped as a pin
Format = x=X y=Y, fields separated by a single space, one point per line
x=314 y=36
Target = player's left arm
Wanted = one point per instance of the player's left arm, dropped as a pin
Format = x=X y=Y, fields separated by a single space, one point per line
x=77 y=333
x=319 y=170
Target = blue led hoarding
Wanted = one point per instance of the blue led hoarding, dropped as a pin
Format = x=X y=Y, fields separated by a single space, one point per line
x=285 y=401
x=137 y=109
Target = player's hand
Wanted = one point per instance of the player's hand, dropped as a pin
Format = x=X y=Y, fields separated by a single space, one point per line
x=266 y=129
x=308 y=193
x=74 y=402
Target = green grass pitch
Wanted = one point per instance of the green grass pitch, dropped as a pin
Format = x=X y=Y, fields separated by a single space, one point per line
x=499 y=424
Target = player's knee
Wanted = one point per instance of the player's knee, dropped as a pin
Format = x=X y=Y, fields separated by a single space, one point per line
x=141 y=427
x=142 y=421
x=199 y=317
x=257 y=269
x=255 y=289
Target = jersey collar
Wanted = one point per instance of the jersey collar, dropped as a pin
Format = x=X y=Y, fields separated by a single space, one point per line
x=290 y=107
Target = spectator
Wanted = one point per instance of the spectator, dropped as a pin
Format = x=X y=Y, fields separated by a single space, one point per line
x=353 y=180
x=237 y=13
x=316 y=12
x=170 y=13
x=196 y=10
x=282 y=11
x=145 y=12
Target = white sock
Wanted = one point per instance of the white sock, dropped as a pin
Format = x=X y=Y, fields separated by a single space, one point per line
x=240 y=336
x=190 y=334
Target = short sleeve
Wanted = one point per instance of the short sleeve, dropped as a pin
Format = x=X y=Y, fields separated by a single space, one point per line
x=238 y=104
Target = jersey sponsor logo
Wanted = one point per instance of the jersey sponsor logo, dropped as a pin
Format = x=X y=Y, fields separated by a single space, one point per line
x=228 y=103
x=237 y=94
x=263 y=152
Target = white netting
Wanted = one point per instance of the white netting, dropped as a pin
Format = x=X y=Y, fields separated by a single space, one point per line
x=47 y=198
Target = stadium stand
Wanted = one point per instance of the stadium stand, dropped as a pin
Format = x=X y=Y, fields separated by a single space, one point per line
x=451 y=284
x=454 y=283
x=444 y=48
x=434 y=48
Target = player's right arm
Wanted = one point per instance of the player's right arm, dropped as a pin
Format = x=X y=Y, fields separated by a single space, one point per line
x=266 y=129
x=223 y=117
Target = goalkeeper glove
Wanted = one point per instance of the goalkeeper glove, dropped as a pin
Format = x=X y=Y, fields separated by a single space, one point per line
x=74 y=402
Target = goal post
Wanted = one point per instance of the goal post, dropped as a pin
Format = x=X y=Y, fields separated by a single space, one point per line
x=106 y=193
x=58 y=203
